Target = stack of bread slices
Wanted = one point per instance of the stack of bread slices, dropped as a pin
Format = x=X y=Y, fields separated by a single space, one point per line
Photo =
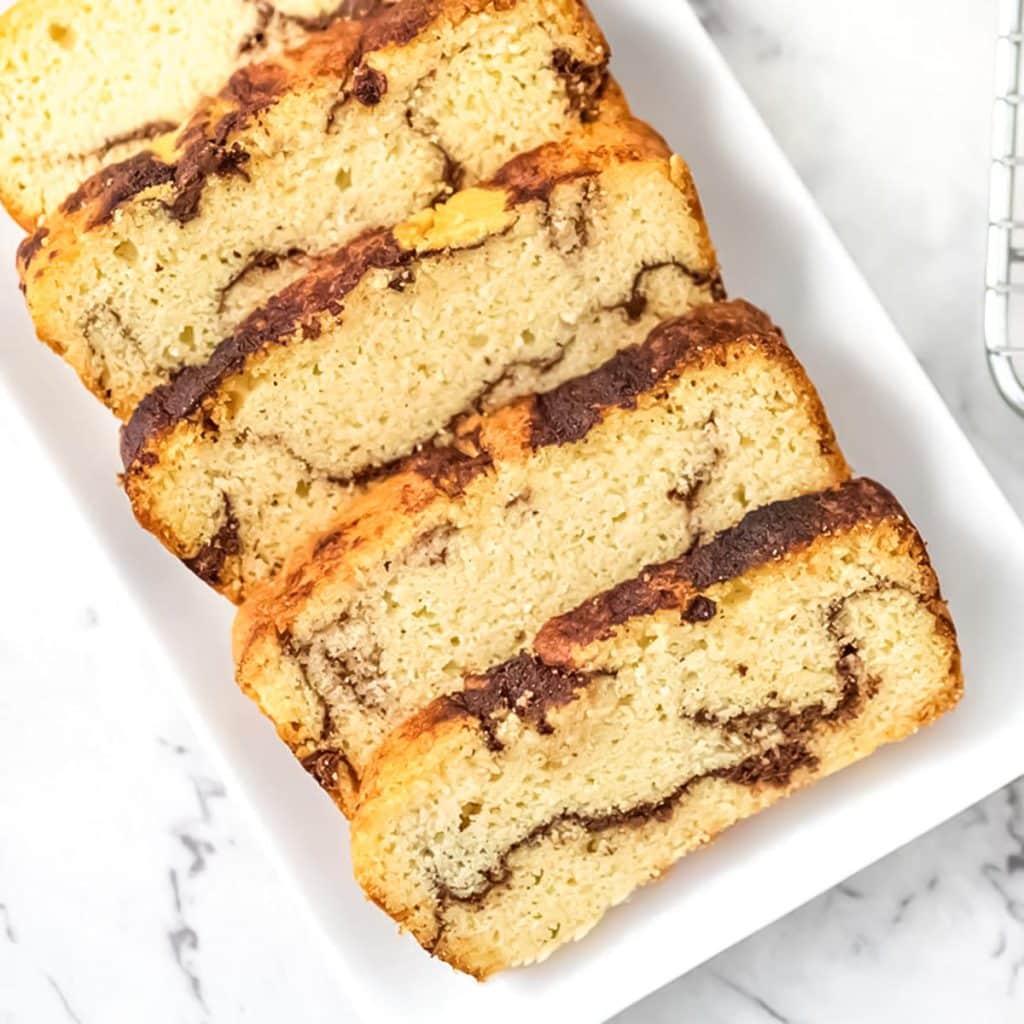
x=549 y=565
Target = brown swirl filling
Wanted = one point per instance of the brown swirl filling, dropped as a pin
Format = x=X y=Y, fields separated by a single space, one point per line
x=209 y=562
x=585 y=83
x=530 y=688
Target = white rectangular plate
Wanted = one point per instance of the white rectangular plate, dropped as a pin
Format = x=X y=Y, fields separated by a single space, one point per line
x=778 y=251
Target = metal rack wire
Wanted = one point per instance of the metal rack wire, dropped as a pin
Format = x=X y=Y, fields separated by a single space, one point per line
x=1004 y=276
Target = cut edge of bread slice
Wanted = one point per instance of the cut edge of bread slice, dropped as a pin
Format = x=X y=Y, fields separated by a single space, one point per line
x=504 y=821
x=505 y=289
x=538 y=504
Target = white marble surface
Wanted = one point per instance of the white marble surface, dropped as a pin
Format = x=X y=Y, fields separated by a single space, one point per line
x=132 y=890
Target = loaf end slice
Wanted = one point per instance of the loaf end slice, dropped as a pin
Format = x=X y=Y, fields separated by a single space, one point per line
x=505 y=820
x=571 y=252
x=152 y=262
x=453 y=561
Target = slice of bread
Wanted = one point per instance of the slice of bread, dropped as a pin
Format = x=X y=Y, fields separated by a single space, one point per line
x=151 y=263
x=572 y=252
x=453 y=562
x=505 y=820
x=87 y=82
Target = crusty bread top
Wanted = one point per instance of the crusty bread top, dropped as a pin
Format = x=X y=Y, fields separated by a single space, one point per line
x=440 y=473
x=465 y=220
x=209 y=143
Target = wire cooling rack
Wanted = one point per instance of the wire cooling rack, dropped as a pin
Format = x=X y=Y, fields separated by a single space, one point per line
x=1004 y=276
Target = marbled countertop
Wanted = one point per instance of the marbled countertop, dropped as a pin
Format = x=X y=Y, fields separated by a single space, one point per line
x=131 y=889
